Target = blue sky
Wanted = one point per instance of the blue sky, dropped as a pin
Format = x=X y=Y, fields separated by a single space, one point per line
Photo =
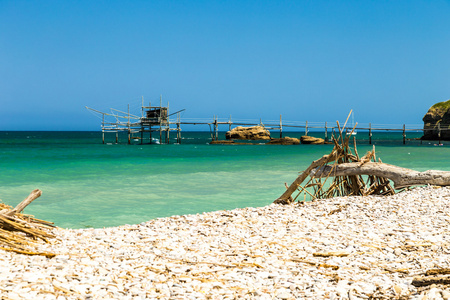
x=307 y=60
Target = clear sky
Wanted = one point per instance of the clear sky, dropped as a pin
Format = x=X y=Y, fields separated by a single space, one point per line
x=314 y=60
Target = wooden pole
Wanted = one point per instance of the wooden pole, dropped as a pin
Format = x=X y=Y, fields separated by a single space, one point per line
x=326 y=132
x=103 y=129
x=229 y=124
x=168 y=125
x=439 y=132
x=129 y=131
x=216 y=129
x=160 y=119
x=213 y=133
x=142 y=116
x=281 y=128
x=178 y=129
x=21 y=206
x=370 y=133
x=150 y=129
x=404 y=134
x=306 y=128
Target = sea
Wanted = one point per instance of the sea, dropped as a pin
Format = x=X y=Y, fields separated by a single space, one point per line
x=86 y=183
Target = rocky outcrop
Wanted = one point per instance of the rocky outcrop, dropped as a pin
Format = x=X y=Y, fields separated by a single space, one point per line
x=284 y=141
x=306 y=139
x=248 y=133
x=222 y=142
x=438 y=116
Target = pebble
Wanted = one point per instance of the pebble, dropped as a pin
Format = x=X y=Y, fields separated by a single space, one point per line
x=339 y=248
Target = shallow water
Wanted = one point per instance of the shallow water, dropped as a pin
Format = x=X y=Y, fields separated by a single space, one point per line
x=89 y=184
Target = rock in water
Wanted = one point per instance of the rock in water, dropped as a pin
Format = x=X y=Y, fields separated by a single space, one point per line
x=284 y=141
x=311 y=140
x=437 y=116
x=248 y=133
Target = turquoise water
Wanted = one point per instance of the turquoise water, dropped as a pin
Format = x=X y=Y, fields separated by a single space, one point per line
x=89 y=184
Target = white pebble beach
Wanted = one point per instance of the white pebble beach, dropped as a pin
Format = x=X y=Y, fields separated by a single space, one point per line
x=340 y=248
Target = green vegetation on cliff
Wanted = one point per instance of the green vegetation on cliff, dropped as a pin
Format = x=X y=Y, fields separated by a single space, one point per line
x=436 y=122
x=441 y=106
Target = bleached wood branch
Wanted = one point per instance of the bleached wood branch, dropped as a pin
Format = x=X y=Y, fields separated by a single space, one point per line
x=21 y=206
x=286 y=197
x=401 y=177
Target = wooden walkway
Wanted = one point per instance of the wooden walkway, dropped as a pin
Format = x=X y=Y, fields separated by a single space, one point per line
x=304 y=126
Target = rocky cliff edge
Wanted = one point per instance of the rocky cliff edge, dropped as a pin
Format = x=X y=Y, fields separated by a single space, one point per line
x=438 y=116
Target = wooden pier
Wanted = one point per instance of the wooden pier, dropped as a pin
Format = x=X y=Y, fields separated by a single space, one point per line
x=154 y=125
x=154 y=121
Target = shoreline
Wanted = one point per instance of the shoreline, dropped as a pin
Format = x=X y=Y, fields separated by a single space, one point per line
x=345 y=247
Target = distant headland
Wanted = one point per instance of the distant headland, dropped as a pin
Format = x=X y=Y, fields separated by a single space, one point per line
x=437 y=122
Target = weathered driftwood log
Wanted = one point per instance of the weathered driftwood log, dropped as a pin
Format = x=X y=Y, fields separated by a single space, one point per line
x=401 y=177
x=286 y=197
x=347 y=171
x=21 y=206
x=439 y=271
x=29 y=228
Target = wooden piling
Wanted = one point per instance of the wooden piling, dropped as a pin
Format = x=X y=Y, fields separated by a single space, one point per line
x=128 y=122
x=439 y=132
x=216 y=129
x=281 y=128
x=150 y=131
x=103 y=129
x=178 y=129
x=306 y=128
x=404 y=134
x=370 y=133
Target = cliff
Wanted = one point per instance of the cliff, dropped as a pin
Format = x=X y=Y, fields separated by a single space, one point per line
x=437 y=116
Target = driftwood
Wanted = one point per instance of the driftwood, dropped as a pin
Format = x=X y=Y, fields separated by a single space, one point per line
x=401 y=177
x=332 y=253
x=294 y=186
x=439 y=271
x=433 y=276
x=19 y=232
x=21 y=206
x=345 y=169
x=429 y=280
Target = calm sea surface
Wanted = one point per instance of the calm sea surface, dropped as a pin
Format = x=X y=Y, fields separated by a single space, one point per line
x=89 y=184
